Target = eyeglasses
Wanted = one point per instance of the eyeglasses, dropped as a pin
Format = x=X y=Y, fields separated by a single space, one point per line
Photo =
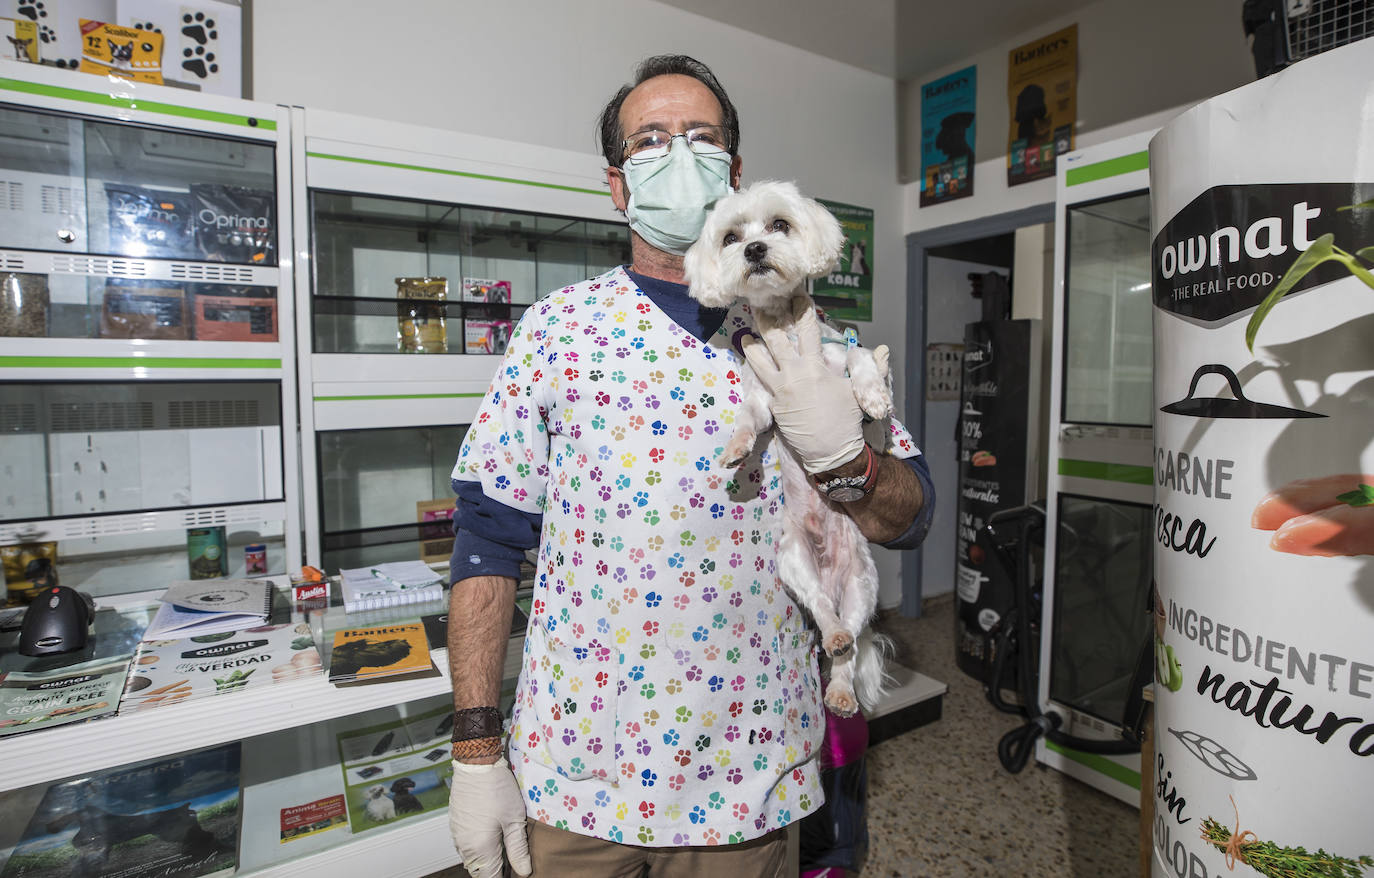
x=655 y=142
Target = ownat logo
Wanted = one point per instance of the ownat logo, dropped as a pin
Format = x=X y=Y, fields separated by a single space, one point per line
x=1223 y=253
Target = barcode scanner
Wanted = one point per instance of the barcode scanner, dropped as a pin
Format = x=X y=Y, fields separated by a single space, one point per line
x=56 y=621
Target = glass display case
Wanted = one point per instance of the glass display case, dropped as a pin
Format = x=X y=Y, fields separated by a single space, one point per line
x=492 y=264
x=420 y=241
x=147 y=338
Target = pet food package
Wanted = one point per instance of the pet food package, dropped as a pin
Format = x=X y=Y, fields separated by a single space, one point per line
x=236 y=314
x=23 y=305
x=149 y=222
x=234 y=224
x=143 y=311
x=23 y=40
x=1263 y=531
x=486 y=335
x=494 y=292
x=21 y=571
x=126 y=52
x=420 y=316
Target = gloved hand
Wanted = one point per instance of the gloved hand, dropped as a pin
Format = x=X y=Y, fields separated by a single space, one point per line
x=485 y=808
x=815 y=411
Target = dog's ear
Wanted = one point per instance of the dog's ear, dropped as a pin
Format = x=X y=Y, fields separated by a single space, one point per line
x=823 y=237
x=701 y=265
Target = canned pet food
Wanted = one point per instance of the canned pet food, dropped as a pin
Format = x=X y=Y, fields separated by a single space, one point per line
x=205 y=551
x=255 y=558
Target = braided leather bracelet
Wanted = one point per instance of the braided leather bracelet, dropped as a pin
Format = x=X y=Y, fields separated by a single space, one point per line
x=476 y=722
x=477 y=748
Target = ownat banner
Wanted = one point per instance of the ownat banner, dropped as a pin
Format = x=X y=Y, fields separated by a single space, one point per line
x=1264 y=476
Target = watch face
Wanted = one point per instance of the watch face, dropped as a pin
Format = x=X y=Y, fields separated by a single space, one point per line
x=845 y=494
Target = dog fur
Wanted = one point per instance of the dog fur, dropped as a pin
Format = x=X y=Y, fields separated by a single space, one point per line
x=377 y=805
x=402 y=796
x=762 y=244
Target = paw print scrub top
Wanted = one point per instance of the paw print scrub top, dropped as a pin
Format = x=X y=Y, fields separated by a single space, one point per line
x=668 y=693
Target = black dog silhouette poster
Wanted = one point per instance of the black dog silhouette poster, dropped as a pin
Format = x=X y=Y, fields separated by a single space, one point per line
x=175 y=817
x=947 y=123
x=1042 y=93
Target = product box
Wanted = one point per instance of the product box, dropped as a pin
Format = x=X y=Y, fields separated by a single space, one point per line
x=436 y=540
x=23 y=39
x=143 y=311
x=234 y=224
x=126 y=52
x=486 y=336
x=149 y=222
x=495 y=292
x=236 y=315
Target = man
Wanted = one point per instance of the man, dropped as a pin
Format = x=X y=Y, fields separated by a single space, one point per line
x=668 y=711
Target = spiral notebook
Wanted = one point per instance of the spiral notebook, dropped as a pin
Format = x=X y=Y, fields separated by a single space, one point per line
x=193 y=607
x=389 y=585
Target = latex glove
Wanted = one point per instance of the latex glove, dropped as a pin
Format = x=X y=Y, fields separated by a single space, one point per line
x=815 y=410
x=485 y=808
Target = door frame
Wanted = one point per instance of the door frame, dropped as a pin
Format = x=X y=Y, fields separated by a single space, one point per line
x=914 y=413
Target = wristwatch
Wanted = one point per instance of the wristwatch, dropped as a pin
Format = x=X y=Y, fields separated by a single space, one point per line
x=847 y=489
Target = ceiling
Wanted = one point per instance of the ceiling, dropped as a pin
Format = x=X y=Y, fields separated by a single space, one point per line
x=901 y=39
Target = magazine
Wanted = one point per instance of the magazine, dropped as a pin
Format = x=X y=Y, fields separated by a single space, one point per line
x=201 y=607
x=389 y=585
x=165 y=671
x=175 y=817
x=37 y=700
x=360 y=654
x=396 y=769
x=436 y=627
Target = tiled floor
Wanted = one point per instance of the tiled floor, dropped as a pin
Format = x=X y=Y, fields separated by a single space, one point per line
x=941 y=805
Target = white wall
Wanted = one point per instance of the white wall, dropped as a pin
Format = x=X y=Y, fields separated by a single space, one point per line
x=1139 y=65
x=539 y=71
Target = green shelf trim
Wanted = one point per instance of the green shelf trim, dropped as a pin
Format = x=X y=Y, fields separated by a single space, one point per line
x=428 y=170
x=40 y=362
x=400 y=396
x=1136 y=161
x=1100 y=764
x=1109 y=472
x=106 y=100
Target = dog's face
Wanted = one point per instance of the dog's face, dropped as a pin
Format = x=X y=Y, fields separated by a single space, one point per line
x=404 y=785
x=376 y=791
x=761 y=244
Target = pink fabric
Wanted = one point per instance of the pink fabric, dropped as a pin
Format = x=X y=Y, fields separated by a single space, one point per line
x=846 y=739
x=827 y=872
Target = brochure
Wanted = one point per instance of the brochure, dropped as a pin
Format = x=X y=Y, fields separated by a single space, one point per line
x=201 y=607
x=37 y=700
x=389 y=585
x=175 y=817
x=359 y=654
x=165 y=671
x=396 y=769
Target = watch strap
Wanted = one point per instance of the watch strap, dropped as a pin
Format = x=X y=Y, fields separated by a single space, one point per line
x=845 y=484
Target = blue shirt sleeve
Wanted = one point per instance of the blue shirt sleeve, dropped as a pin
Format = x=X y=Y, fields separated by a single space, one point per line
x=916 y=534
x=489 y=537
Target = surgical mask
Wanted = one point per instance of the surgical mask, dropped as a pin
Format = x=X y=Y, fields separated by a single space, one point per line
x=671 y=192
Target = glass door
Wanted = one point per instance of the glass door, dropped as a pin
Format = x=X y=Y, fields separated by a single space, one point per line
x=1099 y=508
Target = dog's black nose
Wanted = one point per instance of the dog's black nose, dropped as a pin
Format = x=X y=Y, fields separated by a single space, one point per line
x=755 y=251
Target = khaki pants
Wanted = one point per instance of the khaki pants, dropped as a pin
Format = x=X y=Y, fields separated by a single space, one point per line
x=557 y=853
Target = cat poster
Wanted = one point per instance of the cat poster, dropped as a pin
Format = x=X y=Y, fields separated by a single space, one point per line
x=125 y=52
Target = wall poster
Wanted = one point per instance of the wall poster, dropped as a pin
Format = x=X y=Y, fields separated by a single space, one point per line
x=847 y=292
x=1263 y=291
x=947 y=123
x=1042 y=96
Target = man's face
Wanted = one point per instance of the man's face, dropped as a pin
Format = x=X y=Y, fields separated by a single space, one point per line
x=672 y=103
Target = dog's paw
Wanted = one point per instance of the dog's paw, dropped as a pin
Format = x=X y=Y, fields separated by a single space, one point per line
x=839 y=643
x=841 y=701
x=736 y=450
x=882 y=360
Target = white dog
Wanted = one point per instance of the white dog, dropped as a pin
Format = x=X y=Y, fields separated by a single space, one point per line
x=378 y=805
x=762 y=244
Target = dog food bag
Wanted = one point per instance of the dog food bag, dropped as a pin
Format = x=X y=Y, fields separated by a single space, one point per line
x=420 y=315
x=1264 y=475
x=143 y=311
x=149 y=222
x=24 y=305
x=236 y=314
x=234 y=224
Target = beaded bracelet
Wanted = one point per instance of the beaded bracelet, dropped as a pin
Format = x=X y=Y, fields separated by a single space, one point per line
x=476 y=748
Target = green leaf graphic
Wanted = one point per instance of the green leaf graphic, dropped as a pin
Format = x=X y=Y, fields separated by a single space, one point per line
x=1361 y=496
x=1318 y=252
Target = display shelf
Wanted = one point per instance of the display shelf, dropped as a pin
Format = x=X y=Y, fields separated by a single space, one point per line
x=78 y=527
x=117 y=740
